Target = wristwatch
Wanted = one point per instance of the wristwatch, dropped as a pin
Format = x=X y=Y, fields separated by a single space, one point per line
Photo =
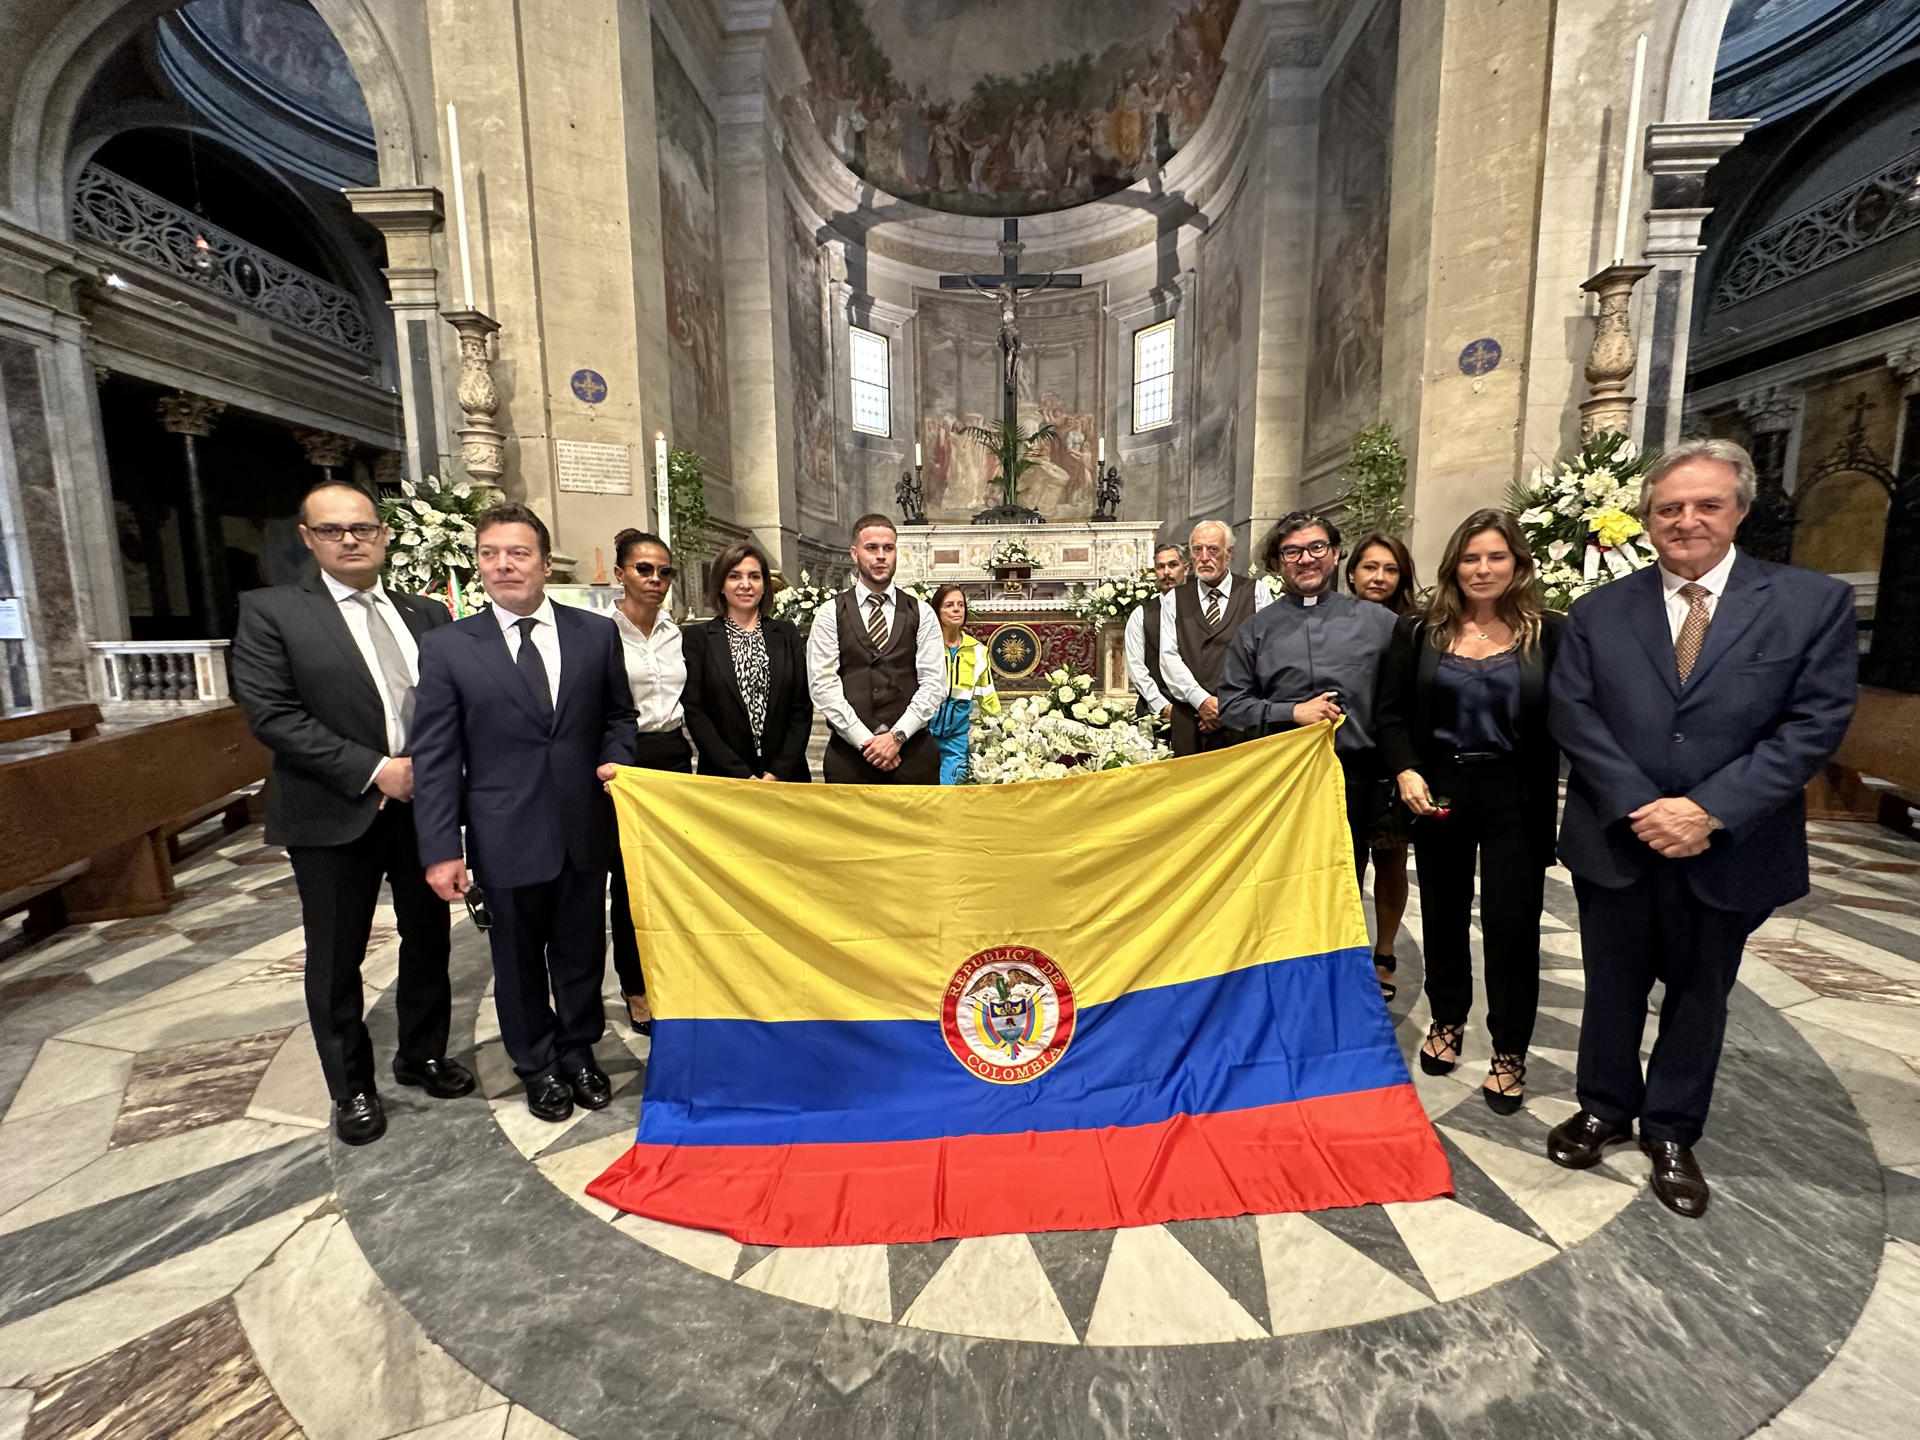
x=900 y=737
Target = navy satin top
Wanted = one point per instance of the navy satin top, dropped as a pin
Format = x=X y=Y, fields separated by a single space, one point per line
x=1476 y=703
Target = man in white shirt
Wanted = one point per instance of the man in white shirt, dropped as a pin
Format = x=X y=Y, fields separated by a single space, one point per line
x=1198 y=621
x=325 y=672
x=1142 y=641
x=877 y=671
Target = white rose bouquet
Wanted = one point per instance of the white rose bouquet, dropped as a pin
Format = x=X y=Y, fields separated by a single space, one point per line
x=1065 y=728
x=1580 y=520
x=432 y=550
x=1013 y=551
x=1113 y=599
x=800 y=603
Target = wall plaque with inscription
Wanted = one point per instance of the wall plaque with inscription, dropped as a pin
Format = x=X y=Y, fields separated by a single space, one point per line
x=593 y=468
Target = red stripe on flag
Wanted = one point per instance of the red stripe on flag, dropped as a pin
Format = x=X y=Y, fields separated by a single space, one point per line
x=1363 y=1148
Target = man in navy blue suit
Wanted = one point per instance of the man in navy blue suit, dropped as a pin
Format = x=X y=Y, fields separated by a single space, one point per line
x=522 y=713
x=1695 y=700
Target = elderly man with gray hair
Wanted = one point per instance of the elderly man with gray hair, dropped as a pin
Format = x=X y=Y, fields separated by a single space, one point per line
x=1198 y=620
x=1695 y=699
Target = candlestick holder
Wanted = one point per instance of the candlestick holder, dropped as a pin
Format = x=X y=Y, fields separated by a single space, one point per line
x=1107 y=496
x=911 y=496
x=483 y=446
x=1610 y=361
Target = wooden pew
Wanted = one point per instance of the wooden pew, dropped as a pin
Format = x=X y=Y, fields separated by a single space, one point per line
x=1884 y=742
x=81 y=722
x=40 y=897
x=114 y=803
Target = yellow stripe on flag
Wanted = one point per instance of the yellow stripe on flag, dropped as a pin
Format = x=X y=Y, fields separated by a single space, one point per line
x=758 y=901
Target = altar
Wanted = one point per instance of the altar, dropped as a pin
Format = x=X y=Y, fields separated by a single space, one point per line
x=1033 y=629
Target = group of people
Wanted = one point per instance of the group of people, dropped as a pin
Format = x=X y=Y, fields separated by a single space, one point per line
x=1691 y=701
x=468 y=759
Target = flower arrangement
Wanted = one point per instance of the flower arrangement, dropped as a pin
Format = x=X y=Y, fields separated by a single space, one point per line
x=432 y=550
x=1113 y=599
x=1271 y=583
x=1012 y=551
x=800 y=603
x=1580 y=518
x=1064 y=729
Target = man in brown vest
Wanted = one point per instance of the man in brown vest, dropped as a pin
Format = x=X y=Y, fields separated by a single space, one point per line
x=1142 y=641
x=1197 y=624
x=877 y=671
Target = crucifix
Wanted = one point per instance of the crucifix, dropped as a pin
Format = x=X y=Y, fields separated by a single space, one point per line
x=1007 y=287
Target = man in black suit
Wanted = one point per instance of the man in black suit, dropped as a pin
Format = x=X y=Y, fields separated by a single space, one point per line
x=1695 y=698
x=325 y=672
x=524 y=712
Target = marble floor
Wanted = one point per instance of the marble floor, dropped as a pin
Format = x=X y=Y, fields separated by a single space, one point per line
x=186 y=1252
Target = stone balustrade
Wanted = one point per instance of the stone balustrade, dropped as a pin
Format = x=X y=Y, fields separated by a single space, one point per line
x=154 y=678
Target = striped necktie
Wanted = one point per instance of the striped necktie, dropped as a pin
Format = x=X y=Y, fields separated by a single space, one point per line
x=1693 y=630
x=1213 y=609
x=877 y=621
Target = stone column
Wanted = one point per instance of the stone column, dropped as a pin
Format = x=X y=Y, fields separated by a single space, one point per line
x=1772 y=416
x=1679 y=154
x=192 y=418
x=408 y=218
x=1469 y=141
x=753 y=257
x=1610 y=361
x=1894 y=660
x=324 y=449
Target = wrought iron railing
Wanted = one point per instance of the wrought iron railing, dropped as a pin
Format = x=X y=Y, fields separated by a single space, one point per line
x=1868 y=211
x=132 y=219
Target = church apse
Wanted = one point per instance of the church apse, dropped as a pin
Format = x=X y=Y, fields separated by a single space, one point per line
x=1009 y=107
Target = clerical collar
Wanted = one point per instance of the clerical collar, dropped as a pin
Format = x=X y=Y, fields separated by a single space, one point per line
x=1304 y=600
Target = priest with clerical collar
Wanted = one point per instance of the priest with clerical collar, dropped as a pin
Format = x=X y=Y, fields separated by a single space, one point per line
x=1312 y=657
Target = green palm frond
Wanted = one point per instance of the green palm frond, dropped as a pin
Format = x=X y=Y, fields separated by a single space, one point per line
x=1013 y=447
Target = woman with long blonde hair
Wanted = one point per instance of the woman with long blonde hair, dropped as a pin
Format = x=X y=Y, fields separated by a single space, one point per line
x=1462 y=720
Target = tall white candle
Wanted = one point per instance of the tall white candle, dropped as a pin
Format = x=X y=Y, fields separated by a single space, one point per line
x=665 y=518
x=1102 y=456
x=916 y=454
x=460 y=205
x=1630 y=152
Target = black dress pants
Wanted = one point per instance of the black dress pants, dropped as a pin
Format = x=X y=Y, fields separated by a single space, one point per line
x=919 y=764
x=653 y=750
x=339 y=887
x=550 y=939
x=1656 y=929
x=1361 y=777
x=1488 y=820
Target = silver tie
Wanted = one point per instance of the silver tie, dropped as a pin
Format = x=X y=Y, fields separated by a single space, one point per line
x=393 y=666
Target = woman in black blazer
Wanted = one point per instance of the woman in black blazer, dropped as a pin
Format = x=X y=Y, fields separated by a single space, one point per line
x=746 y=699
x=1461 y=712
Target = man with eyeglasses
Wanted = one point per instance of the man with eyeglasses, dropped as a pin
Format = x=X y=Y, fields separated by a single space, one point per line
x=325 y=672
x=1312 y=657
x=1198 y=620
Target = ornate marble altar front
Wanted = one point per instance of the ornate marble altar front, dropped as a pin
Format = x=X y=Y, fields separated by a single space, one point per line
x=1069 y=553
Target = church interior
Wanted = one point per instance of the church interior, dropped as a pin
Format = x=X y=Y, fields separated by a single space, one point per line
x=748 y=270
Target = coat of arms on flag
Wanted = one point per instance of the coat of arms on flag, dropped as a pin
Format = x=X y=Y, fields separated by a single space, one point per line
x=862 y=1036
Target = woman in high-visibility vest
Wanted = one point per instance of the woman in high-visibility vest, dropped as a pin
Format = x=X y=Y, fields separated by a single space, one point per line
x=969 y=682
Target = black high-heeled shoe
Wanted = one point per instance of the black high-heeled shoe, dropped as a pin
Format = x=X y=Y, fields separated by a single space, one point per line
x=1449 y=1037
x=639 y=1027
x=1509 y=1076
x=1388 y=963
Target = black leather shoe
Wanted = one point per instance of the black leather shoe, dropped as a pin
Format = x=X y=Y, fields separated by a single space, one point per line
x=360 y=1119
x=592 y=1089
x=443 y=1079
x=1677 y=1180
x=548 y=1098
x=1581 y=1142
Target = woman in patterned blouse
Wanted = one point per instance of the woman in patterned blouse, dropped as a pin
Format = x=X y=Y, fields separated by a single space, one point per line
x=746 y=698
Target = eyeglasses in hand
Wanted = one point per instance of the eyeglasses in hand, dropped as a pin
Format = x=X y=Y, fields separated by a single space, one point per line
x=1299 y=552
x=365 y=531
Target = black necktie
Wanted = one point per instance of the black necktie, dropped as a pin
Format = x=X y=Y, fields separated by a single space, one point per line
x=532 y=668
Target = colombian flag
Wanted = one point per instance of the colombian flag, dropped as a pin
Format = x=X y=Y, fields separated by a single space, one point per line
x=899 y=1014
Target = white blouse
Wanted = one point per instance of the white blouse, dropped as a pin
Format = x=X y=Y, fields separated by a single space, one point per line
x=656 y=672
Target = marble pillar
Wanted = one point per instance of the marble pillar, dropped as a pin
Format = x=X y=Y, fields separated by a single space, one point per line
x=753 y=260
x=1772 y=416
x=558 y=144
x=1469 y=144
x=1286 y=300
x=409 y=217
x=1679 y=154
x=1894 y=660
x=192 y=418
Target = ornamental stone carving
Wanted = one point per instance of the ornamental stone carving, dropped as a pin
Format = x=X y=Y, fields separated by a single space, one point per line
x=185 y=414
x=483 y=447
x=1610 y=361
x=323 y=448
